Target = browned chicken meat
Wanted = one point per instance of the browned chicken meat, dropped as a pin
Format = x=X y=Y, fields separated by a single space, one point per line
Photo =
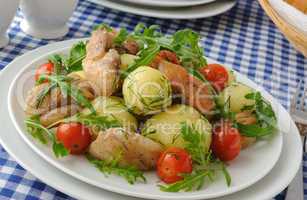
x=59 y=113
x=54 y=106
x=101 y=64
x=103 y=73
x=193 y=91
x=135 y=149
x=246 y=118
x=49 y=102
x=99 y=44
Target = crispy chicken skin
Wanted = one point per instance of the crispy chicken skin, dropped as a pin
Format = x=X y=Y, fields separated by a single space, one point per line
x=193 y=91
x=135 y=149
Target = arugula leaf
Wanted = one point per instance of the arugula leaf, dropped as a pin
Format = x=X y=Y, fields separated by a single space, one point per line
x=130 y=173
x=203 y=160
x=194 y=143
x=57 y=61
x=72 y=62
x=186 y=45
x=121 y=37
x=145 y=57
x=39 y=132
x=266 y=119
x=67 y=89
x=195 y=180
x=76 y=55
x=103 y=26
x=226 y=174
x=152 y=31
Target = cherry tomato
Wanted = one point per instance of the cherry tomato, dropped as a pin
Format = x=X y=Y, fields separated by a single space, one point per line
x=169 y=56
x=46 y=68
x=226 y=141
x=173 y=162
x=216 y=74
x=74 y=136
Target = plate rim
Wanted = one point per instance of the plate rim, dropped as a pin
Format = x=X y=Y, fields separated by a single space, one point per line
x=282 y=181
x=167 y=4
x=113 y=188
x=151 y=12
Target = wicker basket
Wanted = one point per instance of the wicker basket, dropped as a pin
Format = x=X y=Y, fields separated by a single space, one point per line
x=297 y=39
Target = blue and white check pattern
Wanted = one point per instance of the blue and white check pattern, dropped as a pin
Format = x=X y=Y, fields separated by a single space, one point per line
x=244 y=38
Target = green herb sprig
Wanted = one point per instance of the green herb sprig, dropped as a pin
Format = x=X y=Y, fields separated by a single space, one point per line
x=204 y=166
x=40 y=133
x=266 y=118
x=72 y=62
x=130 y=173
x=194 y=143
x=184 y=43
x=195 y=180
x=67 y=89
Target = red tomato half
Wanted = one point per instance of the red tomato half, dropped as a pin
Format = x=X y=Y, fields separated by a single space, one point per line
x=46 y=68
x=216 y=74
x=226 y=141
x=74 y=136
x=173 y=162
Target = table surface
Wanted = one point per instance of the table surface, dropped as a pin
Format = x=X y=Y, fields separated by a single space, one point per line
x=243 y=38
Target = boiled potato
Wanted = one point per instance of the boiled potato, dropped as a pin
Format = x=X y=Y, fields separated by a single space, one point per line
x=165 y=127
x=126 y=60
x=231 y=77
x=235 y=96
x=147 y=91
x=114 y=107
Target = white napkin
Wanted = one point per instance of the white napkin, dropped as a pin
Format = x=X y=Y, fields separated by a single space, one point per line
x=292 y=15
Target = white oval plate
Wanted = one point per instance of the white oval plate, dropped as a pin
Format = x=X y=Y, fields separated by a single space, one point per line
x=272 y=184
x=172 y=3
x=200 y=11
x=252 y=164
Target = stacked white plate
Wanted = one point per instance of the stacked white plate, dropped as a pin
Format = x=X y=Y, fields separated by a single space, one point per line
x=260 y=172
x=171 y=9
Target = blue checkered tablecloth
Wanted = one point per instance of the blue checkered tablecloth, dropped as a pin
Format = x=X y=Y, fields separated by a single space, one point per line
x=244 y=38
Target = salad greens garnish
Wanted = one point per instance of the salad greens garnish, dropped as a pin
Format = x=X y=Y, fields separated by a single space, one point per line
x=67 y=89
x=121 y=37
x=184 y=43
x=195 y=144
x=205 y=167
x=195 y=180
x=103 y=26
x=76 y=55
x=266 y=119
x=145 y=56
x=72 y=62
x=39 y=132
x=130 y=173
